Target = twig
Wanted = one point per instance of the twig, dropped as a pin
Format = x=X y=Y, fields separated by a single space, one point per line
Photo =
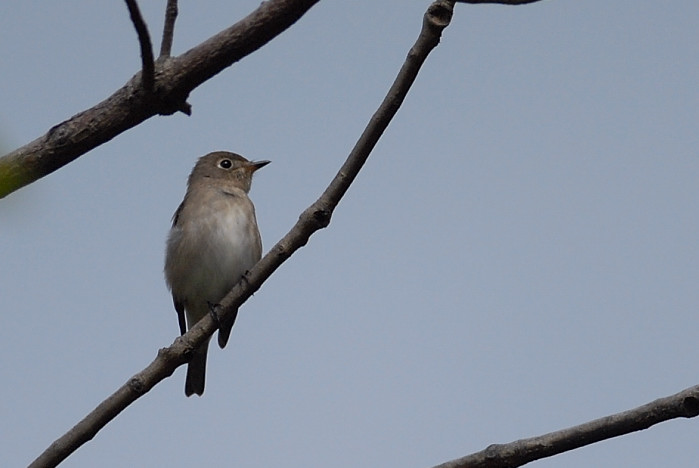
x=684 y=404
x=148 y=68
x=315 y=217
x=168 y=28
x=499 y=2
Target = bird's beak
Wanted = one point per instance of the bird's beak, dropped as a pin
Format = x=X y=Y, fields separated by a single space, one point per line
x=255 y=165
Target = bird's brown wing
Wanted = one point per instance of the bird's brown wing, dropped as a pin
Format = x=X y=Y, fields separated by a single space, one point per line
x=176 y=216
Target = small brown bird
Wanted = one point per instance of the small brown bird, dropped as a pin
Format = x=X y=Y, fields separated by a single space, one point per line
x=213 y=242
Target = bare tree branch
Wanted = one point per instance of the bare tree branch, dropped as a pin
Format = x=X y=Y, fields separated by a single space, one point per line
x=175 y=79
x=148 y=67
x=684 y=404
x=130 y=105
x=168 y=28
x=315 y=217
x=499 y=2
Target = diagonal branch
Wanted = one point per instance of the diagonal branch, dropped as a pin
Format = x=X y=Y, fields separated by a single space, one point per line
x=315 y=217
x=131 y=105
x=148 y=67
x=684 y=404
x=168 y=28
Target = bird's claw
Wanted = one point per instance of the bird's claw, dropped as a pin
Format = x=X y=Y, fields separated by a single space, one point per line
x=213 y=313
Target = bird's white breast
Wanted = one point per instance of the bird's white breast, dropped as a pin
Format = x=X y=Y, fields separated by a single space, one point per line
x=214 y=247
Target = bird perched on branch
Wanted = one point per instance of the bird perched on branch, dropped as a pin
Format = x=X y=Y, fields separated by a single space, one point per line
x=213 y=242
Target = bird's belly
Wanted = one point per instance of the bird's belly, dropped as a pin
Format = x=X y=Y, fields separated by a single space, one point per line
x=218 y=250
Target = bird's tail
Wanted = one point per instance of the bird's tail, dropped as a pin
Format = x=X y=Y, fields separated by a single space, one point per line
x=196 y=372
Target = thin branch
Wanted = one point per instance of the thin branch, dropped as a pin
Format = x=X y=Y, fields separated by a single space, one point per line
x=168 y=28
x=315 y=217
x=130 y=105
x=684 y=404
x=148 y=67
x=499 y=2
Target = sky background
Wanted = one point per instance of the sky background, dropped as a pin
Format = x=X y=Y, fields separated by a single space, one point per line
x=519 y=255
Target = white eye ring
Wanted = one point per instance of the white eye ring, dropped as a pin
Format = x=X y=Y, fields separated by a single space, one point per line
x=225 y=164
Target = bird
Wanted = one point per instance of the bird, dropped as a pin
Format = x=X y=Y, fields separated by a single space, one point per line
x=214 y=240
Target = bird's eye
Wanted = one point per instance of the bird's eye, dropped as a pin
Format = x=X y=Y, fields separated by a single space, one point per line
x=225 y=164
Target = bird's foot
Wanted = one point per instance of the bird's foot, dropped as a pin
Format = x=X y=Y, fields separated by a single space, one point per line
x=213 y=312
x=244 y=279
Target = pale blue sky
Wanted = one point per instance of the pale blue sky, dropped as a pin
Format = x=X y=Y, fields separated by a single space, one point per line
x=519 y=254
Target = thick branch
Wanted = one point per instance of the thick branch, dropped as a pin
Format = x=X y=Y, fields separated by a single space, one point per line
x=127 y=107
x=147 y=67
x=681 y=405
x=315 y=217
x=168 y=28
